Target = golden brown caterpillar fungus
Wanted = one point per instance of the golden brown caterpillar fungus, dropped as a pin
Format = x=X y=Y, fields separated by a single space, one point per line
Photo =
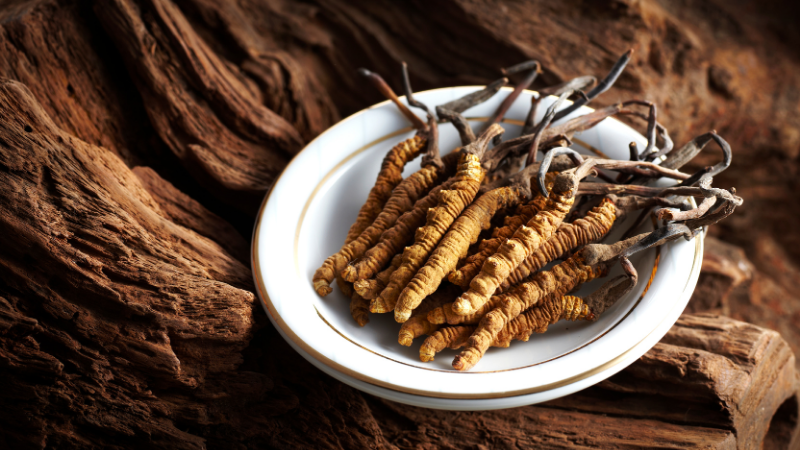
x=390 y=175
x=548 y=311
x=452 y=201
x=418 y=324
x=370 y=289
x=389 y=178
x=453 y=246
x=414 y=327
x=488 y=247
x=525 y=241
x=345 y=287
x=557 y=282
x=448 y=337
x=359 y=309
x=534 y=320
x=393 y=239
x=449 y=217
x=569 y=236
x=445 y=313
x=402 y=199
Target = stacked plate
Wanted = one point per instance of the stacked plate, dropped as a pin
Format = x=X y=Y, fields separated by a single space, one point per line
x=305 y=217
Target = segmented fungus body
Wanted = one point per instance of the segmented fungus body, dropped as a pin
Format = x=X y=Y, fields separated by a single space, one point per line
x=488 y=247
x=415 y=327
x=522 y=244
x=545 y=313
x=534 y=320
x=557 y=281
x=390 y=175
x=359 y=309
x=452 y=202
x=445 y=313
x=402 y=199
x=439 y=213
x=370 y=288
x=569 y=236
x=418 y=324
x=393 y=239
x=448 y=337
x=453 y=246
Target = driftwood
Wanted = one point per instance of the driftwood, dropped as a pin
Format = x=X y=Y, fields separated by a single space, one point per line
x=137 y=135
x=712 y=382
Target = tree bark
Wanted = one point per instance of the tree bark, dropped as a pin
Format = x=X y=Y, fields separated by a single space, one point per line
x=137 y=136
x=703 y=386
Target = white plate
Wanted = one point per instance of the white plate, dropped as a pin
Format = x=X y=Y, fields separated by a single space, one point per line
x=307 y=214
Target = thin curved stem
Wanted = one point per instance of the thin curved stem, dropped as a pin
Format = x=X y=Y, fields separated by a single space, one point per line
x=601 y=87
x=387 y=92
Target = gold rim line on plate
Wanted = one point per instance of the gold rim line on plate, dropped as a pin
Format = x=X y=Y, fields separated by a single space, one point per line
x=278 y=320
x=475 y=372
x=371 y=144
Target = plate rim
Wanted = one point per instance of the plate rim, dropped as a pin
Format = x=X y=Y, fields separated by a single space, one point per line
x=287 y=331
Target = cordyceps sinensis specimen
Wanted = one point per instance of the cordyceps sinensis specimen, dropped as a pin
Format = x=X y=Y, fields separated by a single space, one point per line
x=370 y=288
x=525 y=241
x=393 y=239
x=488 y=247
x=452 y=202
x=453 y=247
x=534 y=320
x=403 y=197
x=569 y=236
x=413 y=233
x=418 y=325
x=359 y=309
x=557 y=281
x=591 y=262
x=445 y=313
x=391 y=196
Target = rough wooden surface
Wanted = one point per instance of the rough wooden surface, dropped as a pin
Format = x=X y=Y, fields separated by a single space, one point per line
x=137 y=136
x=712 y=382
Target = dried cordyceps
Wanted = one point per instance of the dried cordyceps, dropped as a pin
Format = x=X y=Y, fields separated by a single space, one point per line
x=488 y=247
x=415 y=326
x=557 y=281
x=358 y=306
x=451 y=203
x=453 y=246
x=418 y=324
x=534 y=320
x=404 y=196
x=383 y=192
x=370 y=288
x=439 y=212
x=445 y=313
x=591 y=262
x=393 y=239
x=544 y=314
x=569 y=236
x=359 y=309
x=448 y=337
x=389 y=177
x=524 y=241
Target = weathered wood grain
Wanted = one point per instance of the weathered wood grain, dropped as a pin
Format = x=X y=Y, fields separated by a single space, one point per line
x=127 y=317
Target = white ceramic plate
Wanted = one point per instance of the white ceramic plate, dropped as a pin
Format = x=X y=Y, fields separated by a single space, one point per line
x=307 y=214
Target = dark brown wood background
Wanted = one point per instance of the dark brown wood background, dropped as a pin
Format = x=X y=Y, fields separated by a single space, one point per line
x=137 y=138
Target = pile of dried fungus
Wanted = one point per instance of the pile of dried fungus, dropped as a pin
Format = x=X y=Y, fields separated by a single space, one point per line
x=413 y=249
